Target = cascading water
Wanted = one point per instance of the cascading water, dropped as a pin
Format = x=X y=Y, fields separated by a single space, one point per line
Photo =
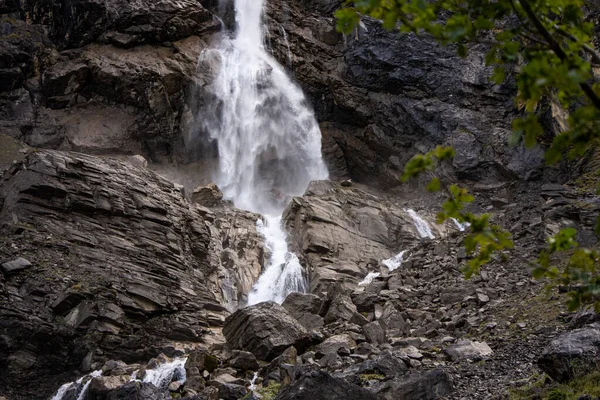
x=421 y=225
x=268 y=140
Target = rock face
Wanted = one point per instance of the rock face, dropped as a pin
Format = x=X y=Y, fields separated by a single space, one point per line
x=265 y=330
x=344 y=233
x=382 y=96
x=121 y=264
x=573 y=354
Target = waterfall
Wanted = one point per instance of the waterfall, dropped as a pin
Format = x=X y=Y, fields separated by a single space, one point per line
x=460 y=226
x=421 y=225
x=78 y=387
x=394 y=262
x=369 y=278
x=268 y=140
x=165 y=373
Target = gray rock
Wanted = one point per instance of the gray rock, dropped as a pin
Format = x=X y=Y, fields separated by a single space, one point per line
x=207 y=196
x=15 y=266
x=265 y=330
x=374 y=333
x=572 y=354
x=334 y=343
x=466 y=349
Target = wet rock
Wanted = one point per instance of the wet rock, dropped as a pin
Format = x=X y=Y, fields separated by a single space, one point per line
x=207 y=196
x=101 y=386
x=320 y=385
x=15 y=266
x=244 y=360
x=265 y=330
x=466 y=349
x=573 y=354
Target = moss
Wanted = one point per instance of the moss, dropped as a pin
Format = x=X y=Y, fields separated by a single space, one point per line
x=546 y=389
x=364 y=378
x=270 y=391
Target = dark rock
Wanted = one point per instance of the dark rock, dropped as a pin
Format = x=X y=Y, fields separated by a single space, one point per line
x=320 y=385
x=429 y=385
x=244 y=360
x=265 y=330
x=573 y=354
x=305 y=308
x=230 y=391
x=133 y=391
x=15 y=266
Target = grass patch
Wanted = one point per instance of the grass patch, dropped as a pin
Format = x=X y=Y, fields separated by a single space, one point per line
x=544 y=389
x=270 y=391
x=364 y=378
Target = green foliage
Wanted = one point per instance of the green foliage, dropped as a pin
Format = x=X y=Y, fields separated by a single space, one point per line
x=270 y=391
x=544 y=388
x=543 y=46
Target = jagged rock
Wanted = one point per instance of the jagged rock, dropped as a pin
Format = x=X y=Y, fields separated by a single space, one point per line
x=334 y=343
x=430 y=385
x=114 y=248
x=573 y=354
x=374 y=333
x=207 y=196
x=86 y=21
x=466 y=349
x=12 y=267
x=305 y=308
x=244 y=360
x=265 y=330
x=320 y=385
x=340 y=309
x=131 y=391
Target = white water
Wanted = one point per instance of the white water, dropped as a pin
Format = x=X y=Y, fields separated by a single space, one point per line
x=77 y=384
x=394 y=262
x=252 y=386
x=283 y=274
x=421 y=225
x=164 y=373
x=460 y=226
x=268 y=140
x=369 y=278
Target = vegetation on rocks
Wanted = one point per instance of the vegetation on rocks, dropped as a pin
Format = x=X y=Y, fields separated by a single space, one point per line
x=543 y=388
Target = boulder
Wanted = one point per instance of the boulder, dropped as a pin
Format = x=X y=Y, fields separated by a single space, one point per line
x=265 y=330
x=334 y=343
x=101 y=386
x=431 y=385
x=305 y=308
x=468 y=350
x=18 y=265
x=341 y=309
x=320 y=385
x=572 y=354
x=374 y=333
x=202 y=361
x=244 y=360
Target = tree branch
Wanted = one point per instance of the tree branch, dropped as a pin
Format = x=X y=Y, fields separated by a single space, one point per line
x=555 y=47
